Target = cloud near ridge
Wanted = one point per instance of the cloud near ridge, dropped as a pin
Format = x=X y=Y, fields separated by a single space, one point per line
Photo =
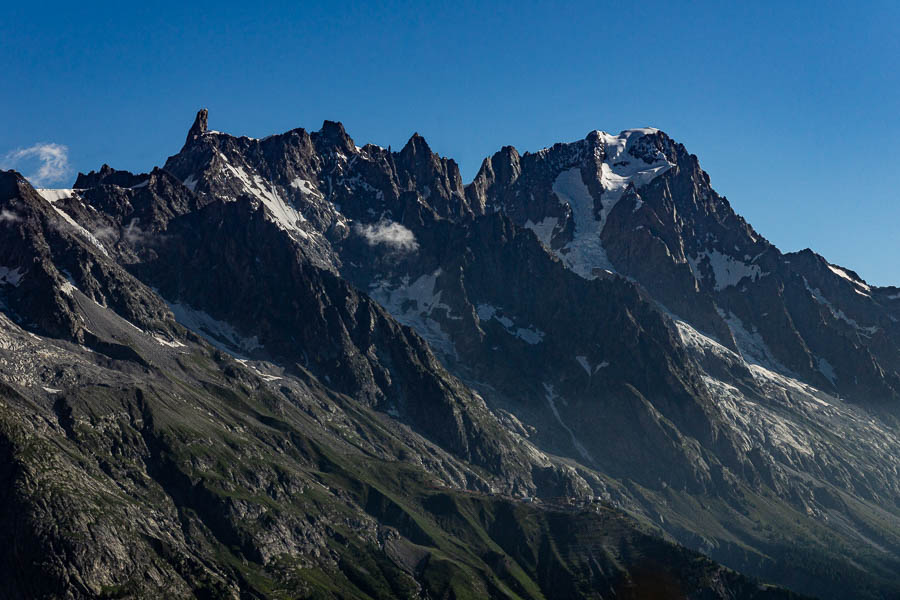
x=53 y=159
x=388 y=233
x=9 y=216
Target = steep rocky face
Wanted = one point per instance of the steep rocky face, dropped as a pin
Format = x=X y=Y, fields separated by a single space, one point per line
x=47 y=255
x=473 y=288
x=388 y=239
x=639 y=204
x=655 y=415
x=180 y=471
x=297 y=313
x=435 y=179
x=591 y=320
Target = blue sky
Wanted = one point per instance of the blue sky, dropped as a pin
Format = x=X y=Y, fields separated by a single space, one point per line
x=791 y=106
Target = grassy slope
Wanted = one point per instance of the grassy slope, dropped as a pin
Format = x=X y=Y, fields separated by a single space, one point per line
x=203 y=481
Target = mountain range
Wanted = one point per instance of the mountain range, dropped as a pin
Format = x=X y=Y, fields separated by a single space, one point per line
x=297 y=367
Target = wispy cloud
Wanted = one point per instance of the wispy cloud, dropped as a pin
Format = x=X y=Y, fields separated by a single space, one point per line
x=52 y=162
x=132 y=234
x=390 y=234
x=9 y=216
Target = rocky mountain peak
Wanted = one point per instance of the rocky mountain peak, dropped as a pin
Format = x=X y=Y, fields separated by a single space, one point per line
x=416 y=146
x=436 y=179
x=108 y=176
x=506 y=164
x=10 y=182
x=199 y=127
x=334 y=134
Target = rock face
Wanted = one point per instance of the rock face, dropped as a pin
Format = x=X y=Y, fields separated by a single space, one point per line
x=648 y=212
x=47 y=255
x=298 y=367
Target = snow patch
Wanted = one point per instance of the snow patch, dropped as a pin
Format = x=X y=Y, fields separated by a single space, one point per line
x=543 y=229
x=170 y=343
x=583 y=361
x=586 y=365
x=414 y=304
x=529 y=335
x=81 y=230
x=585 y=252
x=267 y=377
x=751 y=345
x=827 y=370
x=692 y=338
x=286 y=217
x=10 y=276
x=55 y=195
x=788 y=415
x=727 y=270
x=306 y=188
x=619 y=171
x=845 y=275
x=218 y=333
x=837 y=313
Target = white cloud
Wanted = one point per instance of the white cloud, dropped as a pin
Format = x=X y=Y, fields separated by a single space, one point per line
x=106 y=234
x=8 y=215
x=390 y=234
x=52 y=159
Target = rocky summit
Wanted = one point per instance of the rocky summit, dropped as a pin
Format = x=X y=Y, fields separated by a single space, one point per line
x=294 y=367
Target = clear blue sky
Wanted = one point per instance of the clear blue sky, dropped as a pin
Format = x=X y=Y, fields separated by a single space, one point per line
x=791 y=107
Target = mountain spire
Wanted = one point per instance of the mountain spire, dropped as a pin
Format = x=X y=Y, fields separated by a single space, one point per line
x=199 y=126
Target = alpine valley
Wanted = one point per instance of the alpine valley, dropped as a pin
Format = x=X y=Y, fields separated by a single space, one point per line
x=294 y=367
